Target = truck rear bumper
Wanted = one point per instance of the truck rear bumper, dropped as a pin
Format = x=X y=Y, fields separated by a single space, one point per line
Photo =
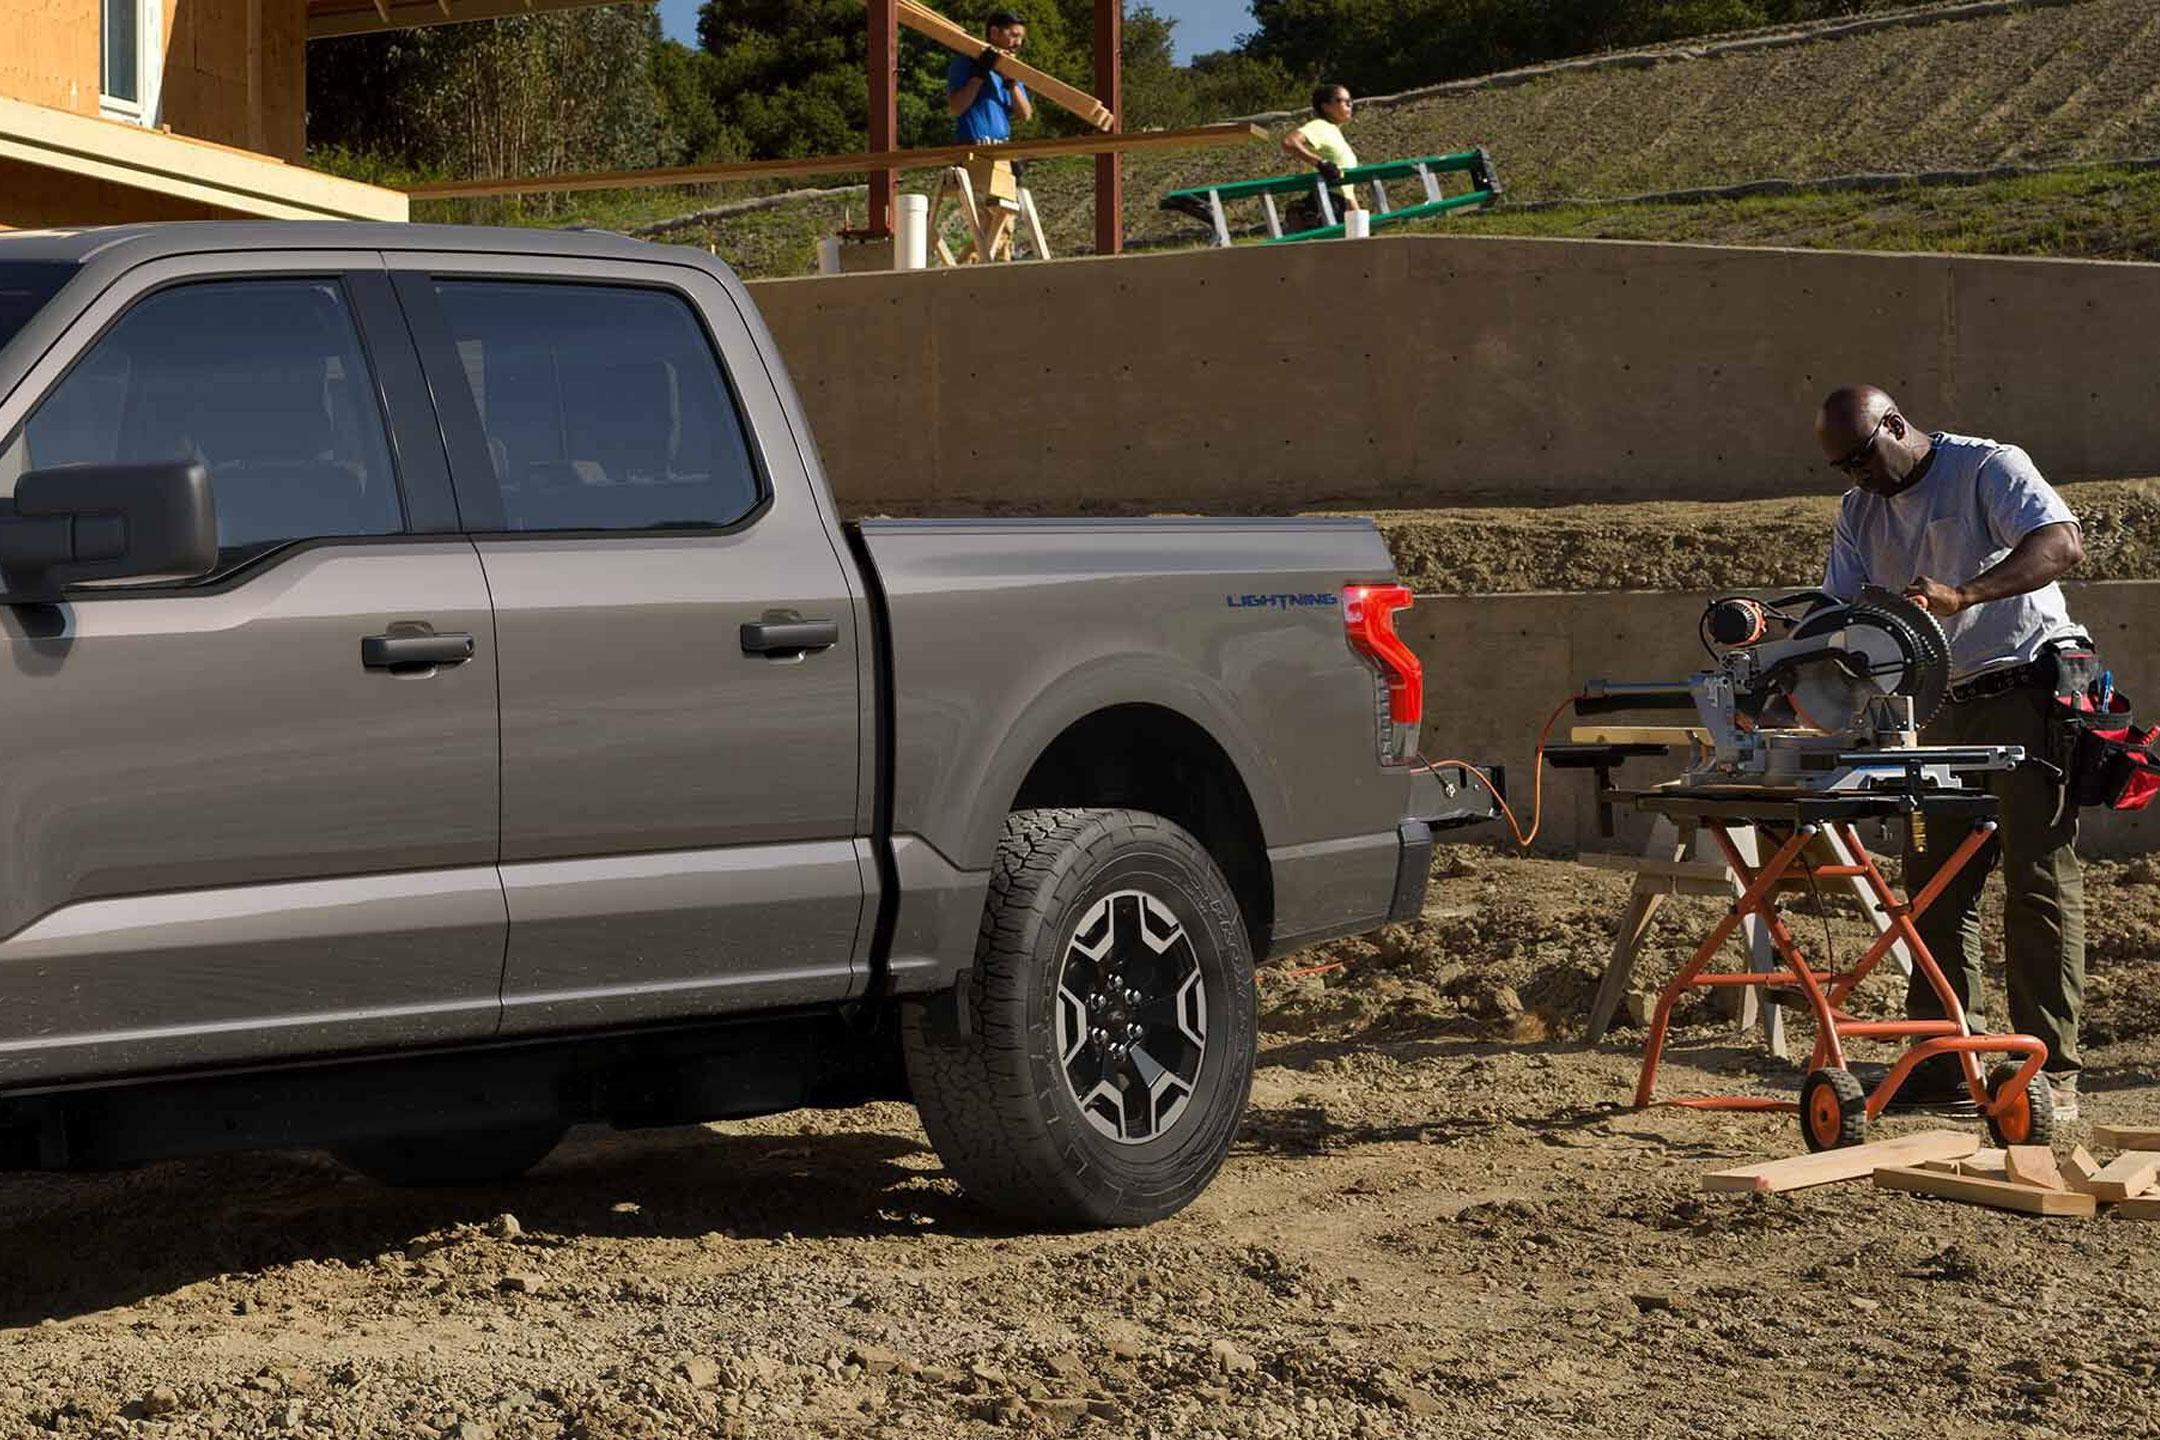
x=1336 y=888
x=1442 y=797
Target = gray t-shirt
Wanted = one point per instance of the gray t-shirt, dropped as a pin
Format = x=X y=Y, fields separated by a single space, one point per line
x=1977 y=500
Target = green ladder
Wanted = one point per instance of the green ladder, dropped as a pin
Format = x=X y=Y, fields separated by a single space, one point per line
x=1205 y=202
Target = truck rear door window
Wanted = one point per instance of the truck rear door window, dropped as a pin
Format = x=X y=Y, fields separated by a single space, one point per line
x=604 y=406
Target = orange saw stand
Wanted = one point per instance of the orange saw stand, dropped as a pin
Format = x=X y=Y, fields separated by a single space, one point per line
x=1834 y=1108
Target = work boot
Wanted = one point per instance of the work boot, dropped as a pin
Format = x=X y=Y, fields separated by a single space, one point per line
x=2064 y=1088
x=1936 y=1086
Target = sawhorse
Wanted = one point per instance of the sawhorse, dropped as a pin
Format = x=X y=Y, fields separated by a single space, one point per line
x=990 y=226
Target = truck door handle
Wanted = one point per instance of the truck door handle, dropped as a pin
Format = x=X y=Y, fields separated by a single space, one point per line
x=789 y=637
x=414 y=650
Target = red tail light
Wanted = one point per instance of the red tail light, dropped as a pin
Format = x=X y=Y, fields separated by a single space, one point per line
x=1369 y=617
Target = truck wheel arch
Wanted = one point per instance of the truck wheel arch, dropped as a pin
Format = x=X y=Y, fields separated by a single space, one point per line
x=1146 y=756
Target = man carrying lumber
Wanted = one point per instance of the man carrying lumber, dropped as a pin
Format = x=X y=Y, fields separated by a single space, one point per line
x=1320 y=142
x=984 y=105
x=1970 y=531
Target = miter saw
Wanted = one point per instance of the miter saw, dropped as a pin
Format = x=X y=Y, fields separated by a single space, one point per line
x=1814 y=693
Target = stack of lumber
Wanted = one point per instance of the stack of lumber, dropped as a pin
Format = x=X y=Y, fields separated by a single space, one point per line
x=1950 y=1164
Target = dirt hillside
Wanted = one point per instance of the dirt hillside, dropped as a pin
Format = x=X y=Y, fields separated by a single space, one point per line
x=1674 y=546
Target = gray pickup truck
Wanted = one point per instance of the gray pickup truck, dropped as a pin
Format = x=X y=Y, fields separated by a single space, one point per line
x=445 y=706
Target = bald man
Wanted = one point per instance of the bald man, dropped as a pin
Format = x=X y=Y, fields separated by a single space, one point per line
x=1968 y=529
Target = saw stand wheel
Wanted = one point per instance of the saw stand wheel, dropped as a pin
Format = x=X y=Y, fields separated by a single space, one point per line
x=1833 y=1110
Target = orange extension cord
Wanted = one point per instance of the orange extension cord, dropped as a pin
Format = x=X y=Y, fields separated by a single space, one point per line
x=1537 y=782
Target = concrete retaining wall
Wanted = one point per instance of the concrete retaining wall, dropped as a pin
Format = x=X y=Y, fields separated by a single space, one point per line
x=1496 y=665
x=1433 y=370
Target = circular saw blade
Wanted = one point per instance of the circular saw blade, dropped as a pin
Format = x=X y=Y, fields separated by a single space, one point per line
x=1922 y=666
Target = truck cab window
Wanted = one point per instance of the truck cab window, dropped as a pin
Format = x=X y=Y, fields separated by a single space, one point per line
x=604 y=406
x=263 y=381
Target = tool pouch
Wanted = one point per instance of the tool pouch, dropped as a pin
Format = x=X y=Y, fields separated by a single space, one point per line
x=2106 y=759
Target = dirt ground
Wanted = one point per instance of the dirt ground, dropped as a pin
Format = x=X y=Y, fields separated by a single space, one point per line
x=1441 y=1219
x=1693 y=546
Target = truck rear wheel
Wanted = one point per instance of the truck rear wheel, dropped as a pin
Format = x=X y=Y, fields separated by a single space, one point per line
x=1099 y=1063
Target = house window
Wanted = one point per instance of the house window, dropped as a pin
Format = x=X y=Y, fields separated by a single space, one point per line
x=128 y=64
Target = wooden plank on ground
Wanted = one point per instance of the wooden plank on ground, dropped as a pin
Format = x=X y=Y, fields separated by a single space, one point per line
x=929 y=157
x=1973 y=1190
x=2032 y=1165
x=2129 y=1174
x=1854 y=1162
x=2127 y=1137
x=931 y=25
x=2078 y=1169
x=2145 y=1207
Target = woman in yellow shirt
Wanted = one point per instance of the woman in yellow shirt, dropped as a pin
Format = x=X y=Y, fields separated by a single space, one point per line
x=1319 y=142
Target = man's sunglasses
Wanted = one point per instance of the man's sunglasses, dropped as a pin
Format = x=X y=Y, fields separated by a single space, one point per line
x=1853 y=462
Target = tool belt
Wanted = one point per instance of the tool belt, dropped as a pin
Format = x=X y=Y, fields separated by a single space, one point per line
x=2002 y=682
x=2106 y=759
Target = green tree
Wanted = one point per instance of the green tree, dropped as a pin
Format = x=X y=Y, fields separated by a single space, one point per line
x=527 y=95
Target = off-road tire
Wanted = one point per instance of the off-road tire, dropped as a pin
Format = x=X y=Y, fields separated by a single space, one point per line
x=452 y=1159
x=1833 y=1110
x=995 y=1093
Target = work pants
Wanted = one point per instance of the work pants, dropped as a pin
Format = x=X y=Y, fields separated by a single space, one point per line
x=2036 y=845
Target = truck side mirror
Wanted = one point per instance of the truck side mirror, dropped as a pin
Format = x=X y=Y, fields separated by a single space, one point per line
x=75 y=524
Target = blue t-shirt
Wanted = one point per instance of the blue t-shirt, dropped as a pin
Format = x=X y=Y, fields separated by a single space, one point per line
x=990 y=117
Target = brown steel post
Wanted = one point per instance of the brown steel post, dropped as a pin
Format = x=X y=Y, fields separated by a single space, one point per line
x=884 y=110
x=1110 y=88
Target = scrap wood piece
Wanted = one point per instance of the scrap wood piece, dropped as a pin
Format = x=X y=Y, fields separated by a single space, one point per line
x=2127 y=1137
x=931 y=25
x=2033 y=1165
x=1989 y=1164
x=2078 y=1169
x=1854 y=1162
x=2128 y=1175
x=2000 y=1194
x=2144 y=1207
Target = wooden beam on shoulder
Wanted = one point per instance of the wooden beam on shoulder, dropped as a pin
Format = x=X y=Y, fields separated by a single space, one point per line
x=929 y=24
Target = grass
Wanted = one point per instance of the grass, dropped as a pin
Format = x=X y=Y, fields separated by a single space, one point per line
x=2095 y=212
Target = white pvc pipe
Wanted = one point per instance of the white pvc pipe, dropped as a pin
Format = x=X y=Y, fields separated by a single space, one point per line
x=1357 y=224
x=828 y=255
x=911 y=234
